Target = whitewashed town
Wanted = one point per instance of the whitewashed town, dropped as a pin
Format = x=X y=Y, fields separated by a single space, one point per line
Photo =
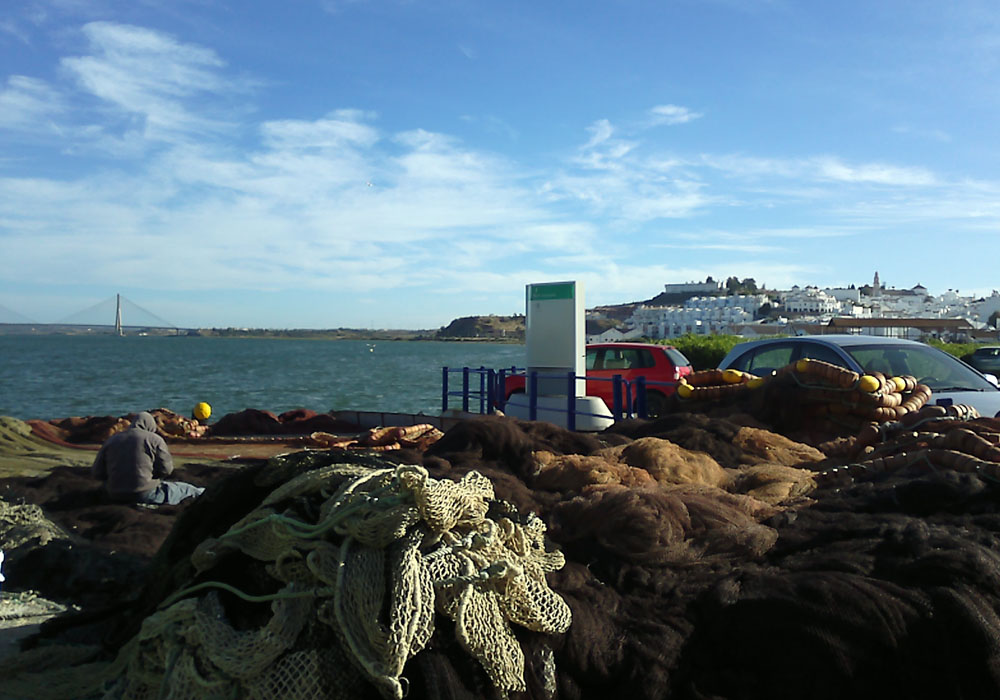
x=739 y=308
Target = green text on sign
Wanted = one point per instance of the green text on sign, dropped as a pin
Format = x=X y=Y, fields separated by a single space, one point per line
x=546 y=292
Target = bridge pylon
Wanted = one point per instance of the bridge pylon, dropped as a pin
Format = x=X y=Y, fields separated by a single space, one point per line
x=118 y=315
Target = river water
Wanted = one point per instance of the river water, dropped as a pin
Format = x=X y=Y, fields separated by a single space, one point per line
x=55 y=376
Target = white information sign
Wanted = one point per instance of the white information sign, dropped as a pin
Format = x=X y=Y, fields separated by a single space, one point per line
x=555 y=339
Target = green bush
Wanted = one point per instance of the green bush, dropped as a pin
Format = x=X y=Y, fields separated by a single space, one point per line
x=959 y=350
x=703 y=351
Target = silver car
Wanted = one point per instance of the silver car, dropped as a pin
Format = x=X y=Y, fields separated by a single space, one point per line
x=950 y=379
x=986 y=360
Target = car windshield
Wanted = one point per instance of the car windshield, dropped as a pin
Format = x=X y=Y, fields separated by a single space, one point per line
x=938 y=370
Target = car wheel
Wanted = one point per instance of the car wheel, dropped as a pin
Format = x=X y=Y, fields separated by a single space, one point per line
x=656 y=404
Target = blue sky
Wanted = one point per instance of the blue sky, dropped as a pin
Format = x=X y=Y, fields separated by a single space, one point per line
x=397 y=164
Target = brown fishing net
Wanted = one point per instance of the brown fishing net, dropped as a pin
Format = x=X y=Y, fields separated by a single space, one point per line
x=867 y=571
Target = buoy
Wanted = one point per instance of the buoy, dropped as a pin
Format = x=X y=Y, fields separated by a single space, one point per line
x=733 y=376
x=869 y=384
x=202 y=411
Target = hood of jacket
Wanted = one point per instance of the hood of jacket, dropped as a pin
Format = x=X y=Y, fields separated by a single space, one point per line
x=144 y=421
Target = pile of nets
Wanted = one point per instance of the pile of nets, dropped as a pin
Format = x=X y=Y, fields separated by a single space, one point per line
x=749 y=549
x=331 y=585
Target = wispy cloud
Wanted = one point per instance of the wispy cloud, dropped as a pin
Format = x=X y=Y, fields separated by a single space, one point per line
x=616 y=177
x=28 y=104
x=671 y=114
x=820 y=168
x=870 y=173
x=12 y=29
x=150 y=75
x=339 y=130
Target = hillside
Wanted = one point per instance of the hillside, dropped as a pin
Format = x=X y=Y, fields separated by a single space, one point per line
x=620 y=312
x=507 y=328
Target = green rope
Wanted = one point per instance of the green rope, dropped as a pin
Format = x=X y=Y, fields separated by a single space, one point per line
x=314 y=593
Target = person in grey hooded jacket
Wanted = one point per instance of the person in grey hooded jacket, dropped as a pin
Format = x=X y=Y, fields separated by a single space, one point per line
x=132 y=464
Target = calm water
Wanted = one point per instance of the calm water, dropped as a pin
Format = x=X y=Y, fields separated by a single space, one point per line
x=59 y=376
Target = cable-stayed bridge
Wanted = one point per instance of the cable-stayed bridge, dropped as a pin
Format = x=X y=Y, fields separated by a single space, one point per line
x=10 y=316
x=116 y=314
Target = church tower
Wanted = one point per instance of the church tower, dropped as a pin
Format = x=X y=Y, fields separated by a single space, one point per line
x=876 y=287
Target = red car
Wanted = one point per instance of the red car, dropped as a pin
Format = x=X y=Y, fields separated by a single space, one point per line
x=657 y=363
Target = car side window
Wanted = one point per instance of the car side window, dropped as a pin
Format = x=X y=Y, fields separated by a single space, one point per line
x=770 y=358
x=742 y=362
x=633 y=359
x=592 y=358
x=815 y=351
x=646 y=359
x=618 y=359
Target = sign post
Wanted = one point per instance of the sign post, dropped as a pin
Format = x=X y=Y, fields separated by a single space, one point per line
x=555 y=328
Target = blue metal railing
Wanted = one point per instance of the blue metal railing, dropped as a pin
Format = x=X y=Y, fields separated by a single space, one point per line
x=491 y=391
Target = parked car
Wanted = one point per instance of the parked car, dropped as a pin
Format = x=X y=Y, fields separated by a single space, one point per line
x=986 y=360
x=657 y=363
x=949 y=378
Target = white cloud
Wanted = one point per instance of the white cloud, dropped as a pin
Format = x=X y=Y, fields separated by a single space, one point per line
x=11 y=28
x=600 y=131
x=621 y=179
x=741 y=166
x=820 y=168
x=28 y=104
x=873 y=173
x=150 y=75
x=342 y=129
x=671 y=115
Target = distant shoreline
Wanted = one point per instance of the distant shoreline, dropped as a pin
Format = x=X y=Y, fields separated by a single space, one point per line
x=259 y=333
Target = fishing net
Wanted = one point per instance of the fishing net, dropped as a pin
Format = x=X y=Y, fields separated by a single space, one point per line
x=25 y=524
x=871 y=573
x=337 y=580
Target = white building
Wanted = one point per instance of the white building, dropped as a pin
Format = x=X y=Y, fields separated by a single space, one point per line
x=613 y=335
x=843 y=294
x=988 y=306
x=705 y=287
x=699 y=315
x=809 y=300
